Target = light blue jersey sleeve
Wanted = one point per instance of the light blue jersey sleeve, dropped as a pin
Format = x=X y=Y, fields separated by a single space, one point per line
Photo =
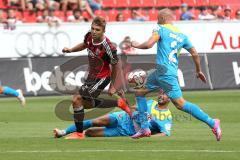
x=164 y=126
x=158 y=30
x=187 y=44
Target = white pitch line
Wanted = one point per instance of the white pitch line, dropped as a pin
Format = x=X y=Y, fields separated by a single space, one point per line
x=113 y=150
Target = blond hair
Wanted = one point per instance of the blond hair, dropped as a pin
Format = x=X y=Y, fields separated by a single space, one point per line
x=165 y=16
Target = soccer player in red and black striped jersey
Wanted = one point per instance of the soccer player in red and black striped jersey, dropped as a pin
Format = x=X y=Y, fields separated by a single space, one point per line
x=103 y=68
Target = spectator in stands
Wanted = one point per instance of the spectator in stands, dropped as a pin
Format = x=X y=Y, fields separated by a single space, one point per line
x=95 y=4
x=227 y=13
x=77 y=4
x=137 y=16
x=49 y=18
x=120 y=17
x=237 y=14
x=44 y=17
x=205 y=15
x=33 y=5
x=17 y=4
x=217 y=12
x=52 y=19
x=126 y=47
x=186 y=14
x=76 y=17
x=2 y=18
x=11 y=21
x=55 y=4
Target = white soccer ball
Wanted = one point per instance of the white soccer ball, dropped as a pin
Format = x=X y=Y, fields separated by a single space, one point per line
x=137 y=78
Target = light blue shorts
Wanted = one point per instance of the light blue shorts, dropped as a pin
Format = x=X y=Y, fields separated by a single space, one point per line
x=120 y=125
x=168 y=83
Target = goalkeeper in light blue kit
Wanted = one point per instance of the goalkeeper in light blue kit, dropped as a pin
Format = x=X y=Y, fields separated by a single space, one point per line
x=120 y=124
x=169 y=43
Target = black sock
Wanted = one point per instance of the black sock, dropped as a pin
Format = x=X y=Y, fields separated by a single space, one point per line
x=78 y=119
x=105 y=103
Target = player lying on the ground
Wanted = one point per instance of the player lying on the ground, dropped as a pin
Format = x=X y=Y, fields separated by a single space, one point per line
x=120 y=124
x=12 y=92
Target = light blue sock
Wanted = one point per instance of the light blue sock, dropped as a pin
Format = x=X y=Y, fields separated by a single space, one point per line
x=87 y=124
x=196 y=112
x=9 y=91
x=72 y=128
x=142 y=108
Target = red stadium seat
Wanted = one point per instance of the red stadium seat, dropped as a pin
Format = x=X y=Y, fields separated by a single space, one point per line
x=122 y=3
x=235 y=7
x=29 y=16
x=4 y=14
x=19 y=15
x=59 y=14
x=162 y=3
x=109 y=3
x=2 y=4
x=100 y=13
x=39 y=13
x=233 y=2
x=86 y=15
x=189 y=2
x=143 y=12
x=112 y=14
x=202 y=2
x=217 y=2
x=174 y=3
x=126 y=14
x=148 y=3
x=177 y=14
x=152 y=14
x=69 y=13
x=195 y=12
x=135 y=3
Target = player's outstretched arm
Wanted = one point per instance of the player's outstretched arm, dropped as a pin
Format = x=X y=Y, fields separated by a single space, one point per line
x=196 y=60
x=148 y=44
x=76 y=48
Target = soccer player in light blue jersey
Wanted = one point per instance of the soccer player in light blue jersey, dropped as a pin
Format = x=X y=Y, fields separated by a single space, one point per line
x=169 y=43
x=12 y=92
x=120 y=124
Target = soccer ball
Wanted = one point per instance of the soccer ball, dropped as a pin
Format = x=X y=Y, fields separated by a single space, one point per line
x=137 y=78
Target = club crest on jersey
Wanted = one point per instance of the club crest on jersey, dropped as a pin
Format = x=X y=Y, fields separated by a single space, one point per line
x=90 y=53
x=97 y=52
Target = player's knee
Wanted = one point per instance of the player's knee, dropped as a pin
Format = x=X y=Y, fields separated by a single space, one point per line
x=97 y=122
x=76 y=101
x=139 y=93
x=89 y=132
x=179 y=103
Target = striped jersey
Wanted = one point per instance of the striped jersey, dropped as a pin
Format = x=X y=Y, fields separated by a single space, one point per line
x=100 y=56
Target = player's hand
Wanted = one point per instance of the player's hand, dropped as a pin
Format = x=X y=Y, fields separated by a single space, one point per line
x=201 y=76
x=134 y=44
x=112 y=90
x=66 y=50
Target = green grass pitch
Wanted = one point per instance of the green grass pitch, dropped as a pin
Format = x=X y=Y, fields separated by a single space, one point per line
x=26 y=133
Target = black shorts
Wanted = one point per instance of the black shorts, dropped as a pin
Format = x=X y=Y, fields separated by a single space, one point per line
x=93 y=87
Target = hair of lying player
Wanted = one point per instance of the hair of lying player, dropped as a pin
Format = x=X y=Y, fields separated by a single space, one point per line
x=99 y=21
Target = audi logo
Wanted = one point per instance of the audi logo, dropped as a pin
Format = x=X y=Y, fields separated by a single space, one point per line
x=41 y=44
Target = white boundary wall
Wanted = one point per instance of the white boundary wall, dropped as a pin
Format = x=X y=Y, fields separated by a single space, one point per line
x=38 y=39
